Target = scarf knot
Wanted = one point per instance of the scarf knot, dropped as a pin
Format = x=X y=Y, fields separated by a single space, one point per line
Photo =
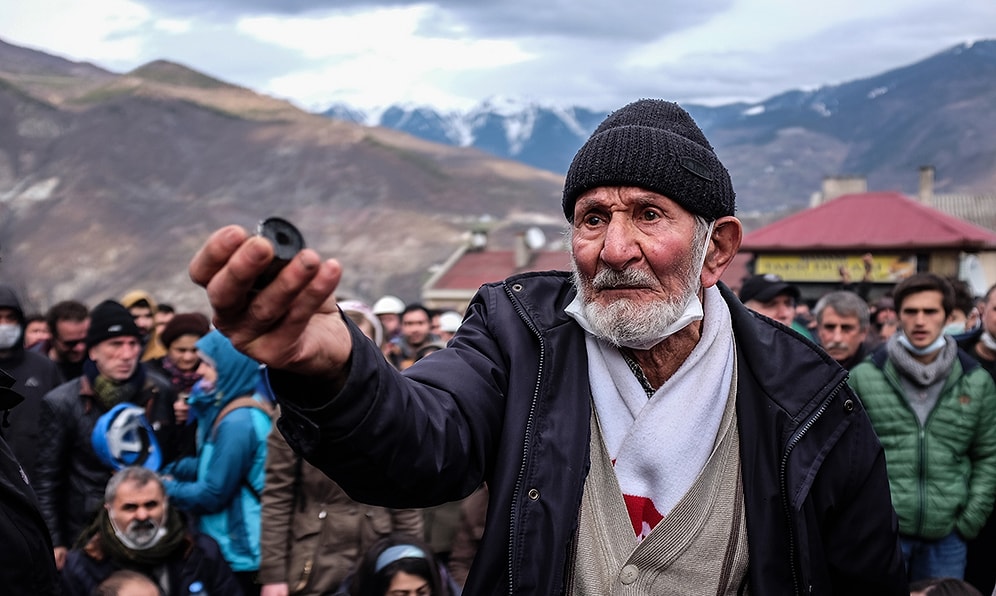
x=920 y=374
x=109 y=392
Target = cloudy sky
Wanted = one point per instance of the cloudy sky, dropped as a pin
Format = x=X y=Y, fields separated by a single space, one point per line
x=454 y=54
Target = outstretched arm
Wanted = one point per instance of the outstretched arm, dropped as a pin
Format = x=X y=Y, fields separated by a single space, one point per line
x=291 y=324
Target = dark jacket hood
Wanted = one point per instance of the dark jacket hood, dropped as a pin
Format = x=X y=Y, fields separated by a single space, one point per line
x=8 y=299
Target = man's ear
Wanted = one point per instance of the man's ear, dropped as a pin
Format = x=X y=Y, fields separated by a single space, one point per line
x=727 y=234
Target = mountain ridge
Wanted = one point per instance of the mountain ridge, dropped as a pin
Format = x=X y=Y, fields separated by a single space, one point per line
x=110 y=182
x=857 y=126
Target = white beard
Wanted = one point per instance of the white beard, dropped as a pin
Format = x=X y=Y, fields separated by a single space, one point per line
x=136 y=537
x=628 y=322
x=642 y=325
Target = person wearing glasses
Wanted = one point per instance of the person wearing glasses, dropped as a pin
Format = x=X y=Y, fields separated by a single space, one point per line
x=68 y=322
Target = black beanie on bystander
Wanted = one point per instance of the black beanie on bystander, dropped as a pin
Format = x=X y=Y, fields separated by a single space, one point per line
x=110 y=319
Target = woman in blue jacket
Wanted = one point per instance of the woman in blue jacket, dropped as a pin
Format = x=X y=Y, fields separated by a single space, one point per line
x=222 y=484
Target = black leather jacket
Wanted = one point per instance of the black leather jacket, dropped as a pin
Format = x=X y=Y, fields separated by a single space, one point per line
x=26 y=562
x=70 y=477
x=509 y=402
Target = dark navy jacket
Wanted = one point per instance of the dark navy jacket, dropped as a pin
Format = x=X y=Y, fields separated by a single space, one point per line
x=197 y=560
x=508 y=402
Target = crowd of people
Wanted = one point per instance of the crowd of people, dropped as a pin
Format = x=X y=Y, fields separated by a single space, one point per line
x=629 y=426
x=148 y=444
x=921 y=359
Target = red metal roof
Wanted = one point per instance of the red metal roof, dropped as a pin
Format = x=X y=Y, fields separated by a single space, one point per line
x=869 y=221
x=474 y=269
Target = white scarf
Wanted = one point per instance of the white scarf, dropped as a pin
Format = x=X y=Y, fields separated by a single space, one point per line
x=659 y=446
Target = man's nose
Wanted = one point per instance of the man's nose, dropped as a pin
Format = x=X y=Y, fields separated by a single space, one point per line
x=619 y=247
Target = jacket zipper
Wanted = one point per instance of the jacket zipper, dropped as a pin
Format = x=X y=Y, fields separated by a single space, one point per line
x=528 y=437
x=921 y=465
x=921 y=448
x=783 y=476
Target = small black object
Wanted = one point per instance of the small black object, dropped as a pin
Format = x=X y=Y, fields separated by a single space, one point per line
x=287 y=241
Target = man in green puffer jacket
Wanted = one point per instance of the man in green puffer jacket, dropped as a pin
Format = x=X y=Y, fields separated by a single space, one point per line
x=934 y=410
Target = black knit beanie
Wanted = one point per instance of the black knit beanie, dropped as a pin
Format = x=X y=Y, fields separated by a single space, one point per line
x=108 y=320
x=655 y=145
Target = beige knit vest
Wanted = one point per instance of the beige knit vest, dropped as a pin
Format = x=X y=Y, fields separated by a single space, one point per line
x=699 y=548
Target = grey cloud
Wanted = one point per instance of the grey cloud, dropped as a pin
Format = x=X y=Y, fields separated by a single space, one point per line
x=228 y=10
x=579 y=47
x=221 y=52
x=628 y=20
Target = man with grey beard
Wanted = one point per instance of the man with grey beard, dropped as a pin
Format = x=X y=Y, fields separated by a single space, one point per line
x=639 y=430
x=138 y=531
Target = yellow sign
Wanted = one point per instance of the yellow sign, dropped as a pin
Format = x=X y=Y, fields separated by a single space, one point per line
x=888 y=268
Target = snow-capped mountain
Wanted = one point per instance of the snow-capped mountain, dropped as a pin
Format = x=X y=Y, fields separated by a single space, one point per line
x=938 y=111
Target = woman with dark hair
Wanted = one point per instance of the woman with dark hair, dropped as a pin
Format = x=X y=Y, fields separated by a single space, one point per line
x=399 y=565
x=179 y=366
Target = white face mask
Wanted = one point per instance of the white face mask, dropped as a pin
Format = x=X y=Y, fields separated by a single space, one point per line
x=954 y=328
x=140 y=535
x=620 y=327
x=10 y=333
x=937 y=344
x=988 y=340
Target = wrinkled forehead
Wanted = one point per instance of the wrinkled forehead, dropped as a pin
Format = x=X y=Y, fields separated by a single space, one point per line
x=627 y=197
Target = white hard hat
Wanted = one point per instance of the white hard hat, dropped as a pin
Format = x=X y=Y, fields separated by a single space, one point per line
x=450 y=321
x=388 y=305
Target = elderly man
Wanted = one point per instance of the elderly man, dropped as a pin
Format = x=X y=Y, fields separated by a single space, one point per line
x=934 y=409
x=138 y=531
x=70 y=474
x=633 y=428
x=842 y=326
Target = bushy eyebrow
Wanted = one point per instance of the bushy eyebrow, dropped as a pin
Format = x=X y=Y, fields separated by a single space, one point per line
x=147 y=504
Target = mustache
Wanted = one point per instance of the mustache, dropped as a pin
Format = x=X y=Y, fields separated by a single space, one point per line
x=836 y=345
x=141 y=525
x=606 y=278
